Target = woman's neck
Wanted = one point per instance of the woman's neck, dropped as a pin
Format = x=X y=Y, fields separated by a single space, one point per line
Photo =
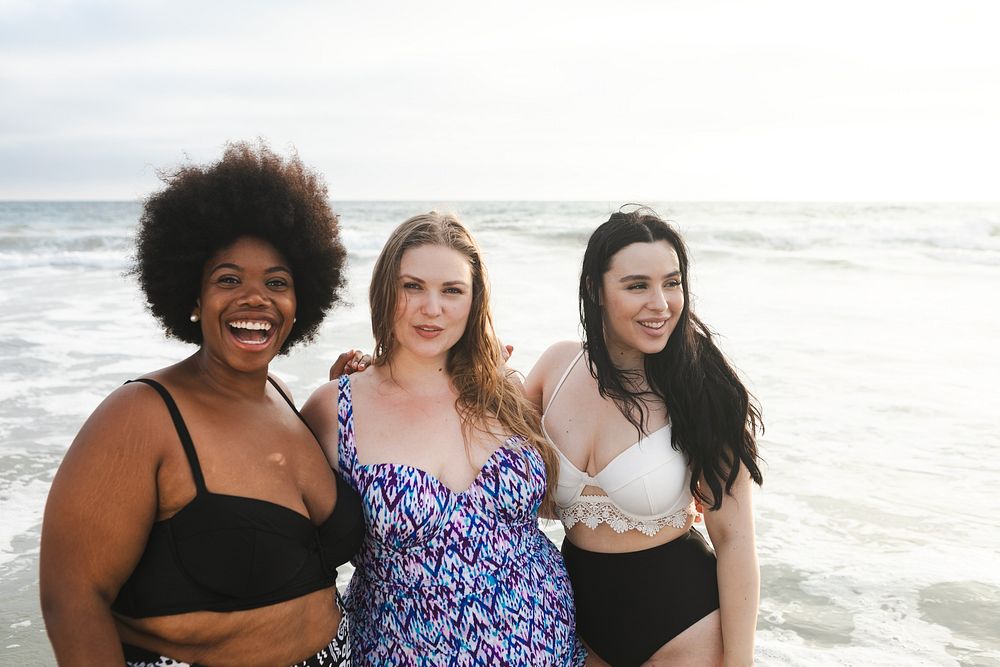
x=419 y=375
x=220 y=378
x=627 y=359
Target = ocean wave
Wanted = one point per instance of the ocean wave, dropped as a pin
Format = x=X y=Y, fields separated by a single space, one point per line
x=106 y=259
x=65 y=234
x=49 y=243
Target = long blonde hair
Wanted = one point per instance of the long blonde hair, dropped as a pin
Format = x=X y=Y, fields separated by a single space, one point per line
x=475 y=365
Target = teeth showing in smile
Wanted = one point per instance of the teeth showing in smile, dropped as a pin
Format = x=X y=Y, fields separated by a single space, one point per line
x=251 y=332
x=654 y=325
x=253 y=325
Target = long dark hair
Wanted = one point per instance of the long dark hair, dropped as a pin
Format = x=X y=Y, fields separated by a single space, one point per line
x=714 y=419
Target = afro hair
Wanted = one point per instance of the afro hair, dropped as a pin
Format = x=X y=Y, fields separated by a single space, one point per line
x=252 y=192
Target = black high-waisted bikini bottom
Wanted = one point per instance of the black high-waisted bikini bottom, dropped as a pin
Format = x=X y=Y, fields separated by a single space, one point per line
x=628 y=605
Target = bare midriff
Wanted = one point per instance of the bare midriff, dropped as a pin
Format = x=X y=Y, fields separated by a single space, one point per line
x=279 y=634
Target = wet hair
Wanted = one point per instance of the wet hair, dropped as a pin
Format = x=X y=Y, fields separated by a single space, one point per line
x=714 y=418
x=250 y=192
x=486 y=389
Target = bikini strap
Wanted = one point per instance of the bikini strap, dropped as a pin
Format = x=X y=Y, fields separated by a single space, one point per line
x=563 y=379
x=182 y=431
x=347 y=454
x=298 y=414
x=277 y=386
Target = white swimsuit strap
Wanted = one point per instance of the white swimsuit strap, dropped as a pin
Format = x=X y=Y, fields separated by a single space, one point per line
x=562 y=380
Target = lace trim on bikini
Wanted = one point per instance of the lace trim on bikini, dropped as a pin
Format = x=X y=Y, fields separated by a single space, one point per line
x=594 y=510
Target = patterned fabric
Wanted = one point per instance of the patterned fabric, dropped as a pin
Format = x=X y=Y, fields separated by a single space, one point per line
x=336 y=654
x=461 y=579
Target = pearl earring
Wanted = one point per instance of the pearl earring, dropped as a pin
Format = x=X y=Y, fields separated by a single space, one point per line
x=194 y=317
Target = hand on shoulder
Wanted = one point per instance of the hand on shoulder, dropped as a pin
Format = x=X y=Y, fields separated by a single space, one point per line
x=349 y=362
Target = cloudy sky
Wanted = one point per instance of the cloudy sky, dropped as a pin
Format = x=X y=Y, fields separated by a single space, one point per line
x=895 y=100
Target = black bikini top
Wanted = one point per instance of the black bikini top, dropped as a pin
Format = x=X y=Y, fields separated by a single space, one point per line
x=226 y=553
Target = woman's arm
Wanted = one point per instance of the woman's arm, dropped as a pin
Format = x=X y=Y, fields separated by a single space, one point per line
x=320 y=412
x=533 y=385
x=731 y=528
x=100 y=508
x=544 y=374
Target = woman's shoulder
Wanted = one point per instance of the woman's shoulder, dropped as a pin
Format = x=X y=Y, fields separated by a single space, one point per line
x=328 y=390
x=547 y=369
x=323 y=404
x=134 y=398
x=330 y=393
x=131 y=424
x=363 y=383
x=559 y=355
x=281 y=386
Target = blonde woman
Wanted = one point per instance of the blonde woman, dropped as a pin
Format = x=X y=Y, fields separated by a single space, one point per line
x=452 y=468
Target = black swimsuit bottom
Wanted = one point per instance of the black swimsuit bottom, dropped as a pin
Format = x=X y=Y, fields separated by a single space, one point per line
x=628 y=605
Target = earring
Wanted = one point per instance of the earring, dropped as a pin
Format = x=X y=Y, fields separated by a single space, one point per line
x=294 y=320
x=194 y=317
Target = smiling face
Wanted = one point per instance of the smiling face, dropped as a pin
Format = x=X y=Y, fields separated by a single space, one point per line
x=247 y=304
x=641 y=301
x=434 y=297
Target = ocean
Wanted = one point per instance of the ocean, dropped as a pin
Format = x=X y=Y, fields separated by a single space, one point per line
x=869 y=333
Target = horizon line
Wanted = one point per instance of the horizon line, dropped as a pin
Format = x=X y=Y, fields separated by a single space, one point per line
x=628 y=202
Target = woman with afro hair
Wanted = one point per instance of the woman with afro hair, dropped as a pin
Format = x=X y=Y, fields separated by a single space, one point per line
x=194 y=519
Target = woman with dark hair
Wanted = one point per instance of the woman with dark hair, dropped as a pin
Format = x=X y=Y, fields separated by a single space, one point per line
x=452 y=467
x=647 y=417
x=194 y=516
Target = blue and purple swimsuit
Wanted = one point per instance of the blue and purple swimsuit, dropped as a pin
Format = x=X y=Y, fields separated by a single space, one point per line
x=447 y=578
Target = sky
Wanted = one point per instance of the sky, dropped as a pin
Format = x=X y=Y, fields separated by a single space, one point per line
x=775 y=100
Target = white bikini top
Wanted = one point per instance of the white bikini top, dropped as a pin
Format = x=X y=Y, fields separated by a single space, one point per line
x=647 y=485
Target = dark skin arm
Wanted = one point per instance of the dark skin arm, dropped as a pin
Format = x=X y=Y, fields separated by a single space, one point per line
x=100 y=508
x=349 y=362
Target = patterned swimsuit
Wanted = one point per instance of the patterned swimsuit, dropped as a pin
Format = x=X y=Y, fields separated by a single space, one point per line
x=446 y=578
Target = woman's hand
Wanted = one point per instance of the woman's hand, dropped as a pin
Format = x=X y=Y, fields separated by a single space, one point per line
x=350 y=362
